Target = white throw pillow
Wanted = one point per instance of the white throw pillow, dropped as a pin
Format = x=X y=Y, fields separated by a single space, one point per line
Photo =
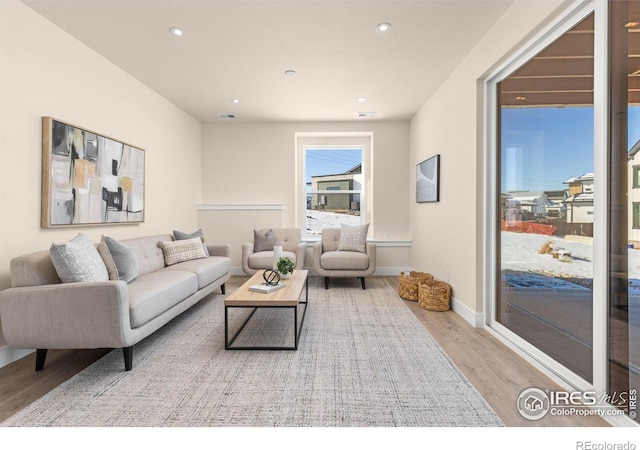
x=78 y=260
x=353 y=239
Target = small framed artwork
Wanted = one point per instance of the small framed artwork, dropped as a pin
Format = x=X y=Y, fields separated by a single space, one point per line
x=428 y=180
x=89 y=179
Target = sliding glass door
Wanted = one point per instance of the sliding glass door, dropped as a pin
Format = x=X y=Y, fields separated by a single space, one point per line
x=545 y=205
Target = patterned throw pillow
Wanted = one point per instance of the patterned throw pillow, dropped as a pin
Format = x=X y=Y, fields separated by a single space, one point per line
x=179 y=251
x=181 y=235
x=78 y=260
x=263 y=242
x=353 y=239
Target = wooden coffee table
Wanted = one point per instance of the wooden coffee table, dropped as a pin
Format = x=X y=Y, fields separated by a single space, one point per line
x=286 y=297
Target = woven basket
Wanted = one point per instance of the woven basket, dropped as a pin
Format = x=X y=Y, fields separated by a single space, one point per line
x=434 y=295
x=409 y=284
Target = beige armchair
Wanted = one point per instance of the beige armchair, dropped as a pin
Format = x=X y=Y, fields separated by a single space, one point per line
x=292 y=246
x=328 y=261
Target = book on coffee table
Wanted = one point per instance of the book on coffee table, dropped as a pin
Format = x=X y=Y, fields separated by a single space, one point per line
x=266 y=288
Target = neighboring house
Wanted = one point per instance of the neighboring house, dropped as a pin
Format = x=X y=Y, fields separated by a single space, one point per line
x=556 y=207
x=634 y=192
x=532 y=204
x=351 y=180
x=580 y=201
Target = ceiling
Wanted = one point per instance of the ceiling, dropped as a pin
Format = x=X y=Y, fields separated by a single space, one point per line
x=562 y=74
x=241 y=49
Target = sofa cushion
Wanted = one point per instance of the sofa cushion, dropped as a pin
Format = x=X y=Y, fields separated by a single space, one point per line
x=353 y=239
x=78 y=260
x=180 y=251
x=264 y=260
x=207 y=270
x=181 y=236
x=124 y=258
x=339 y=260
x=263 y=241
x=150 y=257
x=154 y=293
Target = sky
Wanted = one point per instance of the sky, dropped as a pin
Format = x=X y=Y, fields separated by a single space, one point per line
x=330 y=161
x=542 y=147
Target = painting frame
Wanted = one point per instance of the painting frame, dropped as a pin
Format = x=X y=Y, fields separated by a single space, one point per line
x=89 y=179
x=428 y=180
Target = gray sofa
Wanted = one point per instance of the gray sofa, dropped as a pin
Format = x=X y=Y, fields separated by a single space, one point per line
x=41 y=312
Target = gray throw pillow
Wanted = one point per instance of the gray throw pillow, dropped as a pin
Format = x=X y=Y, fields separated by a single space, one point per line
x=124 y=258
x=181 y=236
x=105 y=254
x=263 y=242
x=353 y=239
x=78 y=260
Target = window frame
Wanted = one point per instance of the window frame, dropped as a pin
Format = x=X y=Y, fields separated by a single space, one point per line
x=341 y=139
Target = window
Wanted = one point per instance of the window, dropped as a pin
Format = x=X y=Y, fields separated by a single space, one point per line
x=636 y=176
x=335 y=182
x=636 y=215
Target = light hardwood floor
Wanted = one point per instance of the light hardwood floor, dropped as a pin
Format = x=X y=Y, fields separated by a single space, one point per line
x=497 y=373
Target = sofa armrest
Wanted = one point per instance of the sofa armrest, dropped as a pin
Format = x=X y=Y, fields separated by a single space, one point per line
x=66 y=315
x=301 y=255
x=371 y=252
x=316 y=253
x=219 y=250
x=247 y=249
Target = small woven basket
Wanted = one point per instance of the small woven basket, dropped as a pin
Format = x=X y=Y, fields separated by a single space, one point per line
x=434 y=295
x=409 y=284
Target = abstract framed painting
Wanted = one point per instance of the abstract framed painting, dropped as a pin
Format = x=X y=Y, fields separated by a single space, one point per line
x=89 y=179
x=428 y=180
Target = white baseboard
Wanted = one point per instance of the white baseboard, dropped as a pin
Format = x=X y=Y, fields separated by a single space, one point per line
x=10 y=354
x=476 y=319
x=380 y=271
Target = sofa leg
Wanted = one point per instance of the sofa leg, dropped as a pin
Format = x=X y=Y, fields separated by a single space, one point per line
x=41 y=355
x=326 y=282
x=128 y=357
x=362 y=281
x=222 y=288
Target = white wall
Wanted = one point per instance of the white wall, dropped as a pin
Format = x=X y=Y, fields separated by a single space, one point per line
x=447 y=236
x=46 y=72
x=255 y=164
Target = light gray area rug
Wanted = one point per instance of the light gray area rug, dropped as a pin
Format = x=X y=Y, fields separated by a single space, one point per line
x=364 y=360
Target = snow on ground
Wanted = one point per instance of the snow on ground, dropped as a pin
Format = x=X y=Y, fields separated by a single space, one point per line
x=317 y=220
x=524 y=266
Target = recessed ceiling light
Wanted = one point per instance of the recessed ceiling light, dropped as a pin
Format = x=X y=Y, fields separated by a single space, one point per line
x=362 y=99
x=235 y=100
x=631 y=24
x=383 y=27
x=176 y=31
x=521 y=98
x=290 y=73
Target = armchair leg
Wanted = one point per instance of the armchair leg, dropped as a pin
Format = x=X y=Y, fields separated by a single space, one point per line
x=222 y=288
x=41 y=355
x=128 y=357
x=362 y=281
x=326 y=282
